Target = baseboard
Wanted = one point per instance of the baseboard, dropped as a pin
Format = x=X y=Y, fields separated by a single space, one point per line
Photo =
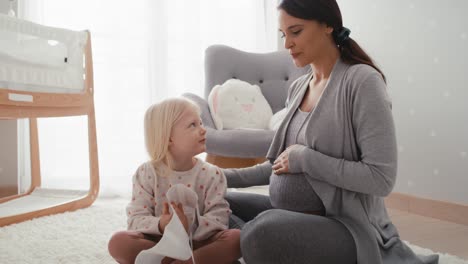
x=446 y=211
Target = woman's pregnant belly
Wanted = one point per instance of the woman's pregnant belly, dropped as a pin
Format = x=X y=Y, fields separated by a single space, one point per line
x=293 y=192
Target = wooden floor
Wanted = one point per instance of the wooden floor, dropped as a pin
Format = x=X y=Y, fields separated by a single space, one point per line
x=431 y=233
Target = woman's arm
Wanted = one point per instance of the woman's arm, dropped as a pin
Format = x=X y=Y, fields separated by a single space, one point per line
x=247 y=177
x=375 y=172
x=260 y=174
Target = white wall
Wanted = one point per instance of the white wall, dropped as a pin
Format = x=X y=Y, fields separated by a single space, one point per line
x=8 y=154
x=421 y=45
x=8 y=139
x=5 y=6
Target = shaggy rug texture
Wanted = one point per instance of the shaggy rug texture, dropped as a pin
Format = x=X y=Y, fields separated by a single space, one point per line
x=81 y=237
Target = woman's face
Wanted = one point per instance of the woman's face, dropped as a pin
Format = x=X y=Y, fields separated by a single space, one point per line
x=306 y=40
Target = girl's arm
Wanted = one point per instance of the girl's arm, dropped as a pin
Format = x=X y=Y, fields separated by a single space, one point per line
x=215 y=216
x=141 y=211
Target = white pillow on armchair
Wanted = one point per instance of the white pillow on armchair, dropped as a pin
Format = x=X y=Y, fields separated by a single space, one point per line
x=238 y=104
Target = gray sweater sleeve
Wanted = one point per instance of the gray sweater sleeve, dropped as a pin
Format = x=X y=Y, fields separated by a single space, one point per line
x=375 y=170
x=247 y=177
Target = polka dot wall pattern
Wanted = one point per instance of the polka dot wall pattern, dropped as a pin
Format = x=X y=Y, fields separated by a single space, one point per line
x=421 y=47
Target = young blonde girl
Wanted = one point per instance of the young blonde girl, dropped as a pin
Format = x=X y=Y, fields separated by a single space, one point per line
x=174 y=135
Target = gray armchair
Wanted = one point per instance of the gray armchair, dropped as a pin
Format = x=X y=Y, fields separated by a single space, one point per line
x=273 y=72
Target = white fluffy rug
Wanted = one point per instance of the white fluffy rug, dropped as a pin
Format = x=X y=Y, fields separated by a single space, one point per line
x=81 y=237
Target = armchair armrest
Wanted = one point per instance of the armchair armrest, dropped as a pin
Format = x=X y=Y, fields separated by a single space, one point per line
x=239 y=143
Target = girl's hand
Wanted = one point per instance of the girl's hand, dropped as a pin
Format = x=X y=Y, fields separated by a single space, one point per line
x=281 y=164
x=179 y=209
x=167 y=216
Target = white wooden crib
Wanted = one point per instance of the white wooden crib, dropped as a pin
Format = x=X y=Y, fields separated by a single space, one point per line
x=46 y=72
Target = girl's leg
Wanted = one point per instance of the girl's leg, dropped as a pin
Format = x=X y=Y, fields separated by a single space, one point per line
x=280 y=236
x=245 y=207
x=221 y=248
x=124 y=246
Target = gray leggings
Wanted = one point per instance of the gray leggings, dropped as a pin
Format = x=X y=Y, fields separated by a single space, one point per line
x=279 y=236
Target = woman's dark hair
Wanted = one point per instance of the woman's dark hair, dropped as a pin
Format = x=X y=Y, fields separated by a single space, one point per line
x=328 y=12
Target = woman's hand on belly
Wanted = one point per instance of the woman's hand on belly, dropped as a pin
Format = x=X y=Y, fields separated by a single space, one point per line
x=281 y=164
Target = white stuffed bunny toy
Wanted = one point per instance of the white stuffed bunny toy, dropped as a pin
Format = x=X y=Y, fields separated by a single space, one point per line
x=238 y=104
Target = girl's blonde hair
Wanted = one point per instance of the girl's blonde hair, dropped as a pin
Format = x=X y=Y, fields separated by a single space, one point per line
x=159 y=121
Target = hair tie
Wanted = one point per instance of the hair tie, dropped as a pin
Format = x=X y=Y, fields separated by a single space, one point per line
x=342 y=36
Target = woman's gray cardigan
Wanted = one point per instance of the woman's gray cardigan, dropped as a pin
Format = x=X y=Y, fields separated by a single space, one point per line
x=350 y=159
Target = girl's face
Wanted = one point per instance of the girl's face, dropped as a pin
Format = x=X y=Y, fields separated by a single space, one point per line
x=188 y=135
x=306 y=40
